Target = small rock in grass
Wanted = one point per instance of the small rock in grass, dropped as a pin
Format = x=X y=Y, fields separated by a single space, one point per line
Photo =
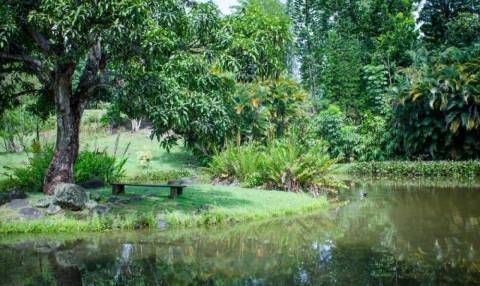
x=31 y=213
x=17 y=194
x=44 y=203
x=53 y=209
x=135 y=198
x=16 y=204
x=162 y=225
x=70 y=196
x=95 y=196
x=204 y=208
x=100 y=210
x=113 y=199
x=91 y=204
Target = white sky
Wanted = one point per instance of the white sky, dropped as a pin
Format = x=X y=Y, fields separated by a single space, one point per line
x=225 y=5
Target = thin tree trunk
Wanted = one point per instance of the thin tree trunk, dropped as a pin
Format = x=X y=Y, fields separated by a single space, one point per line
x=69 y=111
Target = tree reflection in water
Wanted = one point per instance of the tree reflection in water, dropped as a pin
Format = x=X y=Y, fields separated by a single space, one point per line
x=396 y=236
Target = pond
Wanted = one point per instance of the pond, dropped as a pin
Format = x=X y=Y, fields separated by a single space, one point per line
x=379 y=233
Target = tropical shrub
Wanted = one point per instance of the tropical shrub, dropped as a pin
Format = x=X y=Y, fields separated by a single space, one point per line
x=438 y=114
x=294 y=167
x=266 y=109
x=89 y=165
x=238 y=162
x=418 y=168
x=281 y=164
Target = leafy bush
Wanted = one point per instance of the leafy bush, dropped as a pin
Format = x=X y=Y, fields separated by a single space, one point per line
x=237 y=162
x=161 y=176
x=418 y=168
x=293 y=167
x=15 y=127
x=363 y=142
x=282 y=164
x=89 y=165
x=98 y=165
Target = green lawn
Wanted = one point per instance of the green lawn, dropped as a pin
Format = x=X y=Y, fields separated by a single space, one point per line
x=199 y=205
x=132 y=143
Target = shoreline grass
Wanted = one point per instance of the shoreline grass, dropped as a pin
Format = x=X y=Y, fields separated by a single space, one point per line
x=226 y=205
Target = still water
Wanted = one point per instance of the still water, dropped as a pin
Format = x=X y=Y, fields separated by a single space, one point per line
x=399 y=234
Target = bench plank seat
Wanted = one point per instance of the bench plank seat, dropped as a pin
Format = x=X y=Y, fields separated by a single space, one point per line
x=175 y=190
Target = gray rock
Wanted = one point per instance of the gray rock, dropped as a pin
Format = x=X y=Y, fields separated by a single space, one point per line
x=16 y=195
x=113 y=199
x=16 y=204
x=135 y=198
x=44 y=203
x=70 y=196
x=162 y=225
x=46 y=246
x=31 y=213
x=53 y=209
x=100 y=210
x=91 y=204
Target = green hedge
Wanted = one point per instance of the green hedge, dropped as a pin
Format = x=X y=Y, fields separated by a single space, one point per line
x=417 y=168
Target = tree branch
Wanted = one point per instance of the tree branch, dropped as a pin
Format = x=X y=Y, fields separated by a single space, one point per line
x=41 y=40
x=93 y=71
x=22 y=58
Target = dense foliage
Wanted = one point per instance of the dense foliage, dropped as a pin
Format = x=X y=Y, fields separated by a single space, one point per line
x=90 y=165
x=281 y=164
x=417 y=169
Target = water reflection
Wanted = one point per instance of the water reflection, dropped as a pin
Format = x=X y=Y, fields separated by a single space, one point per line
x=397 y=235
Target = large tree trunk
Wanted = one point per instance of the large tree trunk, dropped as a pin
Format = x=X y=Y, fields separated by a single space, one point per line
x=69 y=111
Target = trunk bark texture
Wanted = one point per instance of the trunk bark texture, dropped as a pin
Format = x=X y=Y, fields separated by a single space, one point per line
x=69 y=109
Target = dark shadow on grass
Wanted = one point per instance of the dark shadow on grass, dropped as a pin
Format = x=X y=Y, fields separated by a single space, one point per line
x=177 y=159
x=192 y=198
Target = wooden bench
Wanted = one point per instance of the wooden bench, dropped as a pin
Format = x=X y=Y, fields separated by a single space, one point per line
x=175 y=190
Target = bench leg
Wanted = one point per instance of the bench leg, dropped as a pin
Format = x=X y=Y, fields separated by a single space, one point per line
x=173 y=192
x=180 y=191
x=118 y=189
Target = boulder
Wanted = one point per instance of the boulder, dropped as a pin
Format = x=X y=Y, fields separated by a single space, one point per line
x=93 y=184
x=31 y=213
x=70 y=196
x=16 y=204
x=53 y=209
x=44 y=203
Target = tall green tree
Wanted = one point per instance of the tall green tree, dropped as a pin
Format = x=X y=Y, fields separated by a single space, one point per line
x=70 y=47
x=436 y=14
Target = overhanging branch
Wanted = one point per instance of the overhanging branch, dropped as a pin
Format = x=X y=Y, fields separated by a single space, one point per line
x=22 y=58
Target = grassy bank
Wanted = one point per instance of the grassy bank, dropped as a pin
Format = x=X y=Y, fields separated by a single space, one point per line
x=199 y=205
